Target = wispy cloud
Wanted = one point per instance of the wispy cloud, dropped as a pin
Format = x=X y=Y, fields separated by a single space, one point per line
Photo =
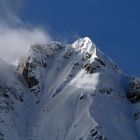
x=10 y=9
x=15 y=40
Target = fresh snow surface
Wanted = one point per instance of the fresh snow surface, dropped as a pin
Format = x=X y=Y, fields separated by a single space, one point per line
x=66 y=92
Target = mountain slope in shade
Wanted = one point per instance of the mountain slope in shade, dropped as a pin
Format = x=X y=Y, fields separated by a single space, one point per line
x=68 y=92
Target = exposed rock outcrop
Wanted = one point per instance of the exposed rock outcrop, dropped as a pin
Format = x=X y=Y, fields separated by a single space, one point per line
x=134 y=90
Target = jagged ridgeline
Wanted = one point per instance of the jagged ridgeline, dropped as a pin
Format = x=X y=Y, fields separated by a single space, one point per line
x=68 y=92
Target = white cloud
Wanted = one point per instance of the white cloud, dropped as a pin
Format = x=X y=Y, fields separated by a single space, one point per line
x=15 y=41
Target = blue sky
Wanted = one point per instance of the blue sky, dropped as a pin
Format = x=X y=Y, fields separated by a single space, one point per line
x=113 y=25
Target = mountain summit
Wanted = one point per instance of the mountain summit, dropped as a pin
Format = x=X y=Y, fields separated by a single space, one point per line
x=68 y=92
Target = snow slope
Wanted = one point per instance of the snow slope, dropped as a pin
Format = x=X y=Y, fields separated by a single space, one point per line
x=68 y=92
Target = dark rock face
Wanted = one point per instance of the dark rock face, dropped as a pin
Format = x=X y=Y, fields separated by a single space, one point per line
x=106 y=91
x=134 y=90
x=31 y=80
x=96 y=134
x=89 y=68
x=93 y=67
x=36 y=62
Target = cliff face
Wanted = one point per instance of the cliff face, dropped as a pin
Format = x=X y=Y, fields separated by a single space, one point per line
x=68 y=92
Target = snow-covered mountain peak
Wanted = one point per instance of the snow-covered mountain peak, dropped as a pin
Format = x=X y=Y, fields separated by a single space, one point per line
x=84 y=43
x=68 y=92
x=82 y=55
x=86 y=46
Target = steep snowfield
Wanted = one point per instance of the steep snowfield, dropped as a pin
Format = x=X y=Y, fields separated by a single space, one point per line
x=68 y=92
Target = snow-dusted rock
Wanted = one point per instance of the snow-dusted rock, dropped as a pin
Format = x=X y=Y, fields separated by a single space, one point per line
x=134 y=90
